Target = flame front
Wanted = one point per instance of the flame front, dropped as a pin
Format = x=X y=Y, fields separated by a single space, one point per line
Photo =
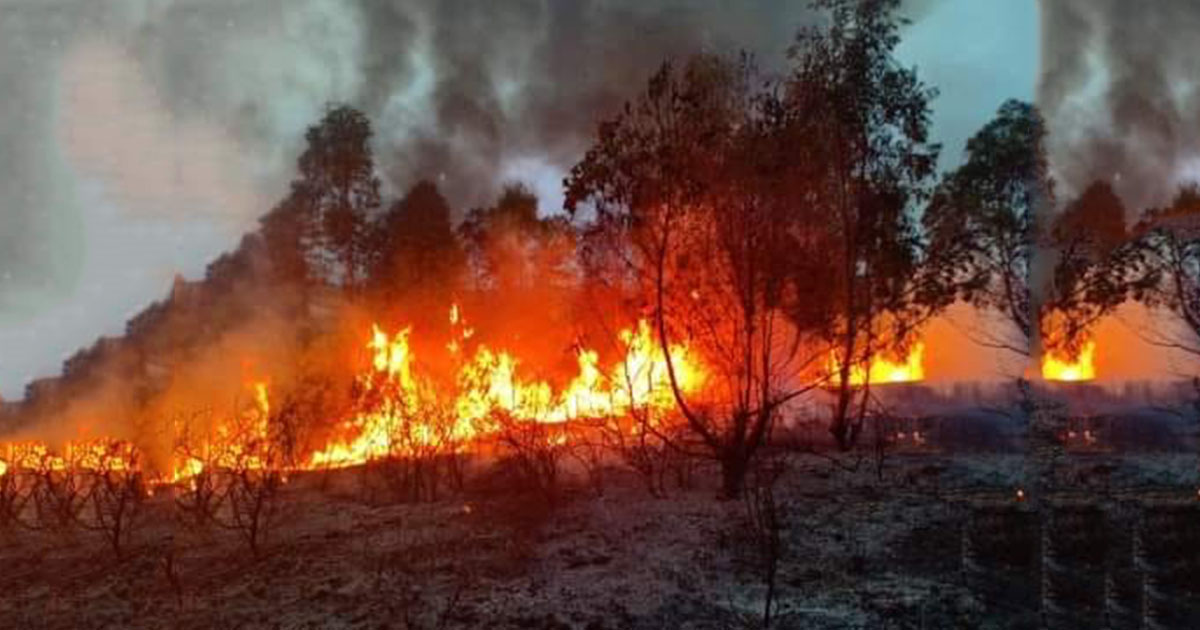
x=404 y=411
x=400 y=410
x=1057 y=367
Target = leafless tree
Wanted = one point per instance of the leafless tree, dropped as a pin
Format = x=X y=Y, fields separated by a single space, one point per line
x=252 y=468
x=58 y=491
x=251 y=497
x=14 y=494
x=198 y=496
x=535 y=449
x=116 y=493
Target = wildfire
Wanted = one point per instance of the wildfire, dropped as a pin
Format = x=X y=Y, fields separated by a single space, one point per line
x=402 y=410
x=1057 y=367
x=96 y=456
x=406 y=411
x=884 y=369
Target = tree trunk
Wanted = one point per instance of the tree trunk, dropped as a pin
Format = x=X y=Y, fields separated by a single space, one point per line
x=840 y=430
x=734 y=464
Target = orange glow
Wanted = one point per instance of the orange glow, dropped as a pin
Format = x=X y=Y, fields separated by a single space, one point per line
x=410 y=412
x=401 y=410
x=1056 y=367
x=884 y=369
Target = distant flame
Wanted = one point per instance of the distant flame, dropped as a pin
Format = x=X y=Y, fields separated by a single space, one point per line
x=884 y=369
x=1056 y=367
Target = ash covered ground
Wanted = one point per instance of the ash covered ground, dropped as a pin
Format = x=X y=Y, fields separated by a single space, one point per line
x=921 y=541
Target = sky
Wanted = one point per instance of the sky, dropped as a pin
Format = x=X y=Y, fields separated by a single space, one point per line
x=140 y=139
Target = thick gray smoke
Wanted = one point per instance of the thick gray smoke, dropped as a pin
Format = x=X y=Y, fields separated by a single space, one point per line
x=1120 y=88
x=139 y=139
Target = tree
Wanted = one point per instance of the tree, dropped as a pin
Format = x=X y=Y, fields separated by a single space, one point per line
x=864 y=120
x=284 y=232
x=981 y=221
x=510 y=247
x=414 y=245
x=116 y=494
x=1089 y=239
x=689 y=213
x=1163 y=270
x=336 y=193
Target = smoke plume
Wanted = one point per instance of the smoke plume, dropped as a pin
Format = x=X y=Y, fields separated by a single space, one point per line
x=124 y=122
x=1121 y=93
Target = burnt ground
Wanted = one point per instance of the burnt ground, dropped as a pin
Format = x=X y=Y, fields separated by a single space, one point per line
x=861 y=550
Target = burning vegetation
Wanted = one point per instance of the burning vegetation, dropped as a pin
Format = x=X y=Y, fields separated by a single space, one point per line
x=740 y=285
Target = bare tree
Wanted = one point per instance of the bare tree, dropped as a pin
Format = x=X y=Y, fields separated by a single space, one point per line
x=14 y=494
x=535 y=449
x=116 y=492
x=765 y=517
x=58 y=490
x=251 y=497
x=195 y=460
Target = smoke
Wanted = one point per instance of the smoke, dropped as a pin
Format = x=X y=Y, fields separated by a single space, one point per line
x=182 y=119
x=1121 y=93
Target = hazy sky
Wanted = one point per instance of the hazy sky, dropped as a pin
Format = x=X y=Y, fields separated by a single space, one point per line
x=140 y=139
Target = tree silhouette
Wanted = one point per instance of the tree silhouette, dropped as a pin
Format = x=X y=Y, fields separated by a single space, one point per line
x=865 y=121
x=1089 y=239
x=285 y=231
x=981 y=221
x=336 y=193
x=688 y=193
x=414 y=245
x=1163 y=270
x=510 y=247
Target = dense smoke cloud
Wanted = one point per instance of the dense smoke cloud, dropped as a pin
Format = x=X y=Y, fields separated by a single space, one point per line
x=140 y=139
x=1121 y=92
x=176 y=122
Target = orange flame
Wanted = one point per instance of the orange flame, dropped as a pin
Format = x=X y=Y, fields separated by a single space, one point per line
x=884 y=369
x=489 y=383
x=1056 y=367
x=401 y=410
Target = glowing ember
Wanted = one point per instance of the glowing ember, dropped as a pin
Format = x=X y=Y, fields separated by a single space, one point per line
x=1056 y=367
x=883 y=369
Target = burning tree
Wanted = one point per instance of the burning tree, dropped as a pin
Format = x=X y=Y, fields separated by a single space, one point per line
x=691 y=213
x=116 y=492
x=1087 y=283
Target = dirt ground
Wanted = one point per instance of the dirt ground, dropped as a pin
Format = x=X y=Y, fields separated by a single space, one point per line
x=860 y=549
